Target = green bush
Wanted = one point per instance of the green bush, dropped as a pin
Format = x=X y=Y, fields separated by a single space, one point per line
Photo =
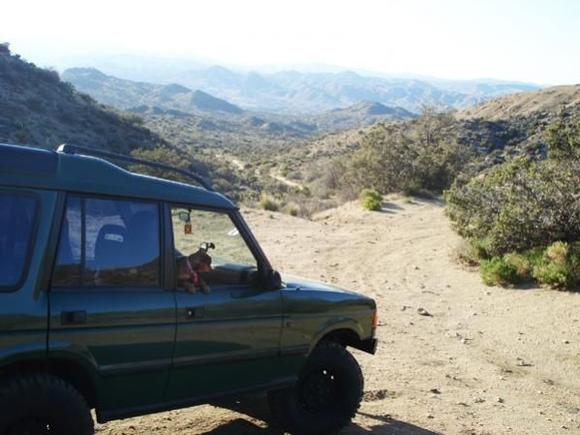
x=371 y=199
x=559 y=267
x=518 y=205
x=522 y=263
x=268 y=203
x=523 y=203
x=497 y=271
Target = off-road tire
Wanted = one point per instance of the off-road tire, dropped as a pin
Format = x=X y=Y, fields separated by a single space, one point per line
x=329 y=367
x=40 y=403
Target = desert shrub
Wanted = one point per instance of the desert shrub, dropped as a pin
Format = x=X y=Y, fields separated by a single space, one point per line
x=467 y=254
x=268 y=203
x=559 y=267
x=522 y=263
x=497 y=271
x=411 y=187
x=292 y=209
x=423 y=154
x=563 y=139
x=371 y=199
x=518 y=205
x=523 y=203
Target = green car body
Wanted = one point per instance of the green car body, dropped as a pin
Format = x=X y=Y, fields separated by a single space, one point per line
x=134 y=350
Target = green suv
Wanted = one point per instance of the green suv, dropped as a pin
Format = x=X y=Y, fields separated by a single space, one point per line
x=95 y=313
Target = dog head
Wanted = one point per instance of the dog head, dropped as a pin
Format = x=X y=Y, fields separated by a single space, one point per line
x=200 y=261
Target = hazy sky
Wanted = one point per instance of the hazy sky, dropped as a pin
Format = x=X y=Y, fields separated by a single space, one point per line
x=527 y=40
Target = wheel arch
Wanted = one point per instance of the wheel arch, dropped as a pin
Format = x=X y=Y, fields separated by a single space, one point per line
x=346 y=332
x=73 y=372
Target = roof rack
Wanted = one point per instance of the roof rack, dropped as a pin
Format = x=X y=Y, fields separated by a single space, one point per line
x=73 y=149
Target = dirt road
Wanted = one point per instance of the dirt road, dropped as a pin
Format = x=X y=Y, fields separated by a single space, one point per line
x=484 y=361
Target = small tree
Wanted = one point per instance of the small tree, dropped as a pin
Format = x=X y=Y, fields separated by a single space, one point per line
x=563 y=139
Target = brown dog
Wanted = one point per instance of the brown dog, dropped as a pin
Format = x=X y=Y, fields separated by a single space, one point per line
x=189 y=270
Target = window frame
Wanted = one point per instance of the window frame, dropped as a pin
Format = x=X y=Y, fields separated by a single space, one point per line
x=33 y=237
x=162 y=273
x=239 y=223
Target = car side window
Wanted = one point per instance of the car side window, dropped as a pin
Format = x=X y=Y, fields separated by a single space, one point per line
x=110 y=243
x=17 y=221
x=209 y=250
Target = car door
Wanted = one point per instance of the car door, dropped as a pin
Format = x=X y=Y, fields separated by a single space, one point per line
x=109 y=308
x=227 y=337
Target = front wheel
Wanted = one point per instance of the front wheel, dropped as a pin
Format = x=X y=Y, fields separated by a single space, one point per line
x=42 y=404
x=326 y=396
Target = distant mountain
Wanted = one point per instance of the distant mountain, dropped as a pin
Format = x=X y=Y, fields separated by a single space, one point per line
x=300 y=92
x=37 y=108
x=127 y=94
x=208 y=113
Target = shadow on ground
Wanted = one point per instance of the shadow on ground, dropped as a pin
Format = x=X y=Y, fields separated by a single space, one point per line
x=256 y=408
x=391 y=207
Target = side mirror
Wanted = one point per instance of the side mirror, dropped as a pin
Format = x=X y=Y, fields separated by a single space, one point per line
x=273 y=280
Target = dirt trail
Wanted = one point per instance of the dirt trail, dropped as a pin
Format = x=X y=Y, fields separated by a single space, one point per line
x=284 y=180
x=485 y=361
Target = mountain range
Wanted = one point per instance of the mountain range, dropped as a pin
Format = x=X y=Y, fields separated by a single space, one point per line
x=212 y=113
x=298 y=92
x=128 y=94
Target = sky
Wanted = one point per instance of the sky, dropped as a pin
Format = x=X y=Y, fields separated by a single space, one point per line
x=524 y=40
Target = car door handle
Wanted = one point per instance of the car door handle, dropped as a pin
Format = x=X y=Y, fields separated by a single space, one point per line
x=73 y=317
x=195 y=312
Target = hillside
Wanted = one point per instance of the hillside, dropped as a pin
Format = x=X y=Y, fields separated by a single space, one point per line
x=515 y=124
x=334 y=163
x=525 y=104
x=37 y=108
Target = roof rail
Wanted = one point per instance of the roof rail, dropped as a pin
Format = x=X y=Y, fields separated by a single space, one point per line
x=73 y=149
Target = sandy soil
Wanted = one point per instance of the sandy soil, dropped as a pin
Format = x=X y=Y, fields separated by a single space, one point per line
x=485 y=361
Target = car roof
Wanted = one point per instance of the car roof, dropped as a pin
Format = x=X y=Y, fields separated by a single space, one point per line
x=22 y=166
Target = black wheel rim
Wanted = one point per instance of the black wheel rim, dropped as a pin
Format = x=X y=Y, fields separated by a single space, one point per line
x=319 y=390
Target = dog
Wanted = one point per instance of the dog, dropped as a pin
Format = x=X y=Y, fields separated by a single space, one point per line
x=189 y=269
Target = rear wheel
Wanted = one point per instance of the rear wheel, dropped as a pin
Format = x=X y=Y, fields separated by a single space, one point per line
x=326 y=396
x=43 y=404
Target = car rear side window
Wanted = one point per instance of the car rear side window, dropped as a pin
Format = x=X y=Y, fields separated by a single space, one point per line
x=17 y=223
x=111 y=243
